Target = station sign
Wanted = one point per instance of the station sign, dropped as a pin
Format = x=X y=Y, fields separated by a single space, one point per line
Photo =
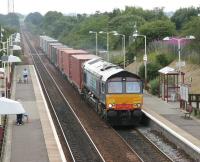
x=145 y=58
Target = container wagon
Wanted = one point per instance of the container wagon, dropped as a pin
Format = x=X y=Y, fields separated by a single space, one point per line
x=75 y=69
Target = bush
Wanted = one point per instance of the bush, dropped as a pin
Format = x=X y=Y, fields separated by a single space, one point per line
x=164 y=59
x=154 y=86
x=152 y=71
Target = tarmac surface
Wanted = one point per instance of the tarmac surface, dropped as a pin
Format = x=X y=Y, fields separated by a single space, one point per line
x=36 y=140
x=169 y=115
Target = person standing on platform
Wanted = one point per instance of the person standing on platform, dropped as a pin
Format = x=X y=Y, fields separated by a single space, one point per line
x=25 y=75
x=19 y=119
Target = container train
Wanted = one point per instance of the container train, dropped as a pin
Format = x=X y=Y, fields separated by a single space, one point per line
x=116 y=94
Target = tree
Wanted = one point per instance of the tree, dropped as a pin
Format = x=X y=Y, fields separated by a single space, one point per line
x=157 y=30
x=154 y=84
x=183 y=15
x=148 y=15
x=163 y=60
x=50 y=20
x=152 y=71
x=10 y=20
x=34 y=18
x=79 y=35
x=192 y=28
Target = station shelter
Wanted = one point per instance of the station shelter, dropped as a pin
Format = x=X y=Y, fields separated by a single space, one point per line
x=169 y=83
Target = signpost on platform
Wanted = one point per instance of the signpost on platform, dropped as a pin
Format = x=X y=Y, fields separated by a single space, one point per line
x=184 y=95
x=184 y=92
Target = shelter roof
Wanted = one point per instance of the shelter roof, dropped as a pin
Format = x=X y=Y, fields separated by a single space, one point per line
x=167 y=70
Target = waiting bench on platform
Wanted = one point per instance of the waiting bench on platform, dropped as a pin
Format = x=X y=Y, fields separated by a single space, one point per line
x=187 y=111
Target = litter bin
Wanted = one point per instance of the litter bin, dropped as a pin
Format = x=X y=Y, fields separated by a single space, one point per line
x=1 y=133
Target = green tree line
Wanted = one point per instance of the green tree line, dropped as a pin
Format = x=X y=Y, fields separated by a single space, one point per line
x=74 y=30
x=155 y=24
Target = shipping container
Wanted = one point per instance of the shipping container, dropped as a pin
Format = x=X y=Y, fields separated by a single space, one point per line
x=41 y=41
x=44 y=41
x=58 y=54
x=47 y=42
x=50 y=45
x=53 y=53
x=58 y=48
x=60 y=58
x=66 y=54
x=75 y=68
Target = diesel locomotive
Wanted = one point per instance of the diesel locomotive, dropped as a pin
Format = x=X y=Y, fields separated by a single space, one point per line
x=116 y=94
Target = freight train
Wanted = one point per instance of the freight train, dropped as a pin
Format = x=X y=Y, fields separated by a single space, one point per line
x=116 y=94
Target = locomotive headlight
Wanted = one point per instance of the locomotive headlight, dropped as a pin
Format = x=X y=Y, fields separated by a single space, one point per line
x=110 y=105
x=137 y=105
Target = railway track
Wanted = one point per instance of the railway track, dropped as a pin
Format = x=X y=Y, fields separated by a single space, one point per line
x=150 y=155
x=138 y=142
x=78 y=141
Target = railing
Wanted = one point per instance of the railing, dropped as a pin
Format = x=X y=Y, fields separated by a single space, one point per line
x=195 y=98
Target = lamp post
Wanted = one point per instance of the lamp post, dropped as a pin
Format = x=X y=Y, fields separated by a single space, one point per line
x=107 y=33
x=123 y=46
x=6 y=59
x=145 y=54
x=179 y=50
x=93 y=32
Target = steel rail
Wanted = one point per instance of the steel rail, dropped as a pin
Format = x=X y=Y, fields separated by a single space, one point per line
x=146 y=141
x=36 y=53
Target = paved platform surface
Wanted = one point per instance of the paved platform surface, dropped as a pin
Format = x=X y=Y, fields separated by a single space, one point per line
x=169 y=114
x=35 y=140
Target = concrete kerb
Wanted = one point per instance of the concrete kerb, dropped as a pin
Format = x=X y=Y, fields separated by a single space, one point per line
x=50 y=118
x=172 y=132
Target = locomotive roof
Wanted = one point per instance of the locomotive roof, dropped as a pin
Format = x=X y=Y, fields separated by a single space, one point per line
x=54 y=43
x=57 y=45
x=102 y=68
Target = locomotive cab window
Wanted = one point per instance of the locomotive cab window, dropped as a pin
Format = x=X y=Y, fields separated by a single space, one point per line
x=115 y=87
x=133 y=87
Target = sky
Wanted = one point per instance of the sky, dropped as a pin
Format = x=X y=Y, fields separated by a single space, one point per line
x=90 y=6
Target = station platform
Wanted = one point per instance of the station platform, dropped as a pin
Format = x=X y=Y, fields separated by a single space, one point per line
x=170 y=117
x=35 y=140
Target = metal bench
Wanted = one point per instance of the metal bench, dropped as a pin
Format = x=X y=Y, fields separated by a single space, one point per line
x=187 y=112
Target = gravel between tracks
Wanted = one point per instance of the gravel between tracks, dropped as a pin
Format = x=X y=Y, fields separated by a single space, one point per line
x=108 y=142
